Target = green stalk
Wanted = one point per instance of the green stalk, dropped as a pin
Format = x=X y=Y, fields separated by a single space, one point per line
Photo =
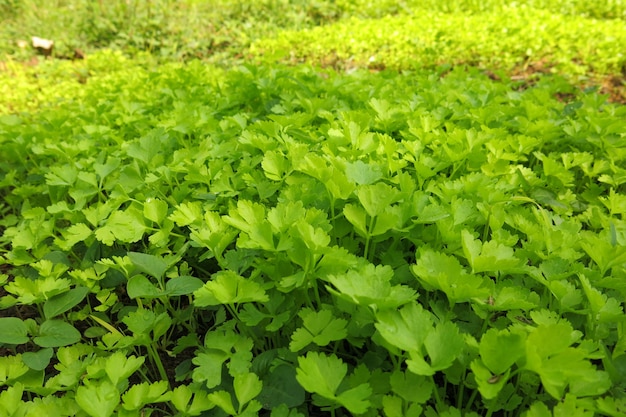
x=156 y=359
x=471 y=400
x=248 y=331
x=459 y=401
x=311 y=260
x=368 y=238
x=437 y=396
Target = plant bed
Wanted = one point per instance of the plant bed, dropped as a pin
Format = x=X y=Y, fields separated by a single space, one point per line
x=280 y=241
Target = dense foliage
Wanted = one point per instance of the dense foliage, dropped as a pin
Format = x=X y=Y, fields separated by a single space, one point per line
x=436 y=229
x=289 y=240
x=511 y=39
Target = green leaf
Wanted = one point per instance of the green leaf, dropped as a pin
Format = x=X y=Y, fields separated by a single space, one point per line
x=139 y=286
x=224 y=401
x=119 y=367
x=11 y=369
x=489 y=256
x=412 y=387
x=187 y=213
x=148 y=145
x=445 y=273
x=548 y=353
x=489 y=384
x=191 y=401
x=155 y=210
x=103 y=170
x=361 y=173
x=406 y=328
x=285 y=215
x=144 y=393
x=142 y=321
x=250 y=218
x=444 y=344
x=38 y=360
x=281 y=387
x=370 y=286
x=605 y=309
x=613 y=407
x=357 y=217
x=62 y=176
x=509 y=296
x=98 y=399
x=209 y=367
x=13 y=331
x=78 y=232
x=376 y=198
x=500 y=349
x=393 y=406
x=319 y=327
x=10 y=120
x=275 y=165
x=357 y=399
x=284 y=410
x=182 y=285
x=247 y=387
x=227 y=287
x=315 y=238
x=54 y=333
x=149 y=264
x=387 y=220
x=123 y=226
x=322 y=374
x=61 y=303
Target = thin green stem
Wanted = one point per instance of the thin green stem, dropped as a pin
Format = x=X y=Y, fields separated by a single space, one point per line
x=368 y=238
x=437 y=396
x=471 y=401
x=459 y=401
x=156 y=359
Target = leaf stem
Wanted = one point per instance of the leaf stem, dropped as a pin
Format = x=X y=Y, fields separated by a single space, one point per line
x=471 y=400
x=437 y=396
x=459 y=402
x=156 y=359
x=368 y=239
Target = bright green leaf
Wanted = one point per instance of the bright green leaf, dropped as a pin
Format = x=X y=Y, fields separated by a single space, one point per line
x=500 y=349
x=247 y=387
x=319 y=327
x=227 y=287
x=155 y=210
x=119 y=367
x=144 y=393
x=98 y=399
x=224 y=401
x=370 y=286
x=406 y=328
